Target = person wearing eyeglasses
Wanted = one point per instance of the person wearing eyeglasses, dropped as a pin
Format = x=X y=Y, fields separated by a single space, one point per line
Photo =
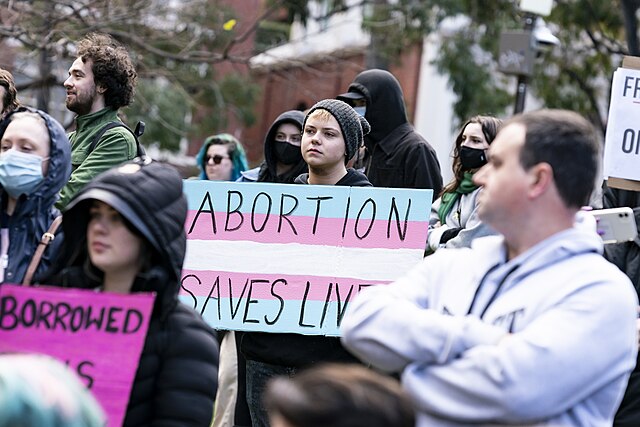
x=283 y=160
x=221 y=158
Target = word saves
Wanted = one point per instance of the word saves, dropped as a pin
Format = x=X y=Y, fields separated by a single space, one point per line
x=236 y=302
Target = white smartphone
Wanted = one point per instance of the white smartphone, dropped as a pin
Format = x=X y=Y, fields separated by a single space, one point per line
x=616 y=225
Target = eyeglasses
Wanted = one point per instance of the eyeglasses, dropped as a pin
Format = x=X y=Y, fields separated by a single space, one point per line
x=217 y=159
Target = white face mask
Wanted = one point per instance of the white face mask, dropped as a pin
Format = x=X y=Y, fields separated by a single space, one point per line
x=361 y=110
x=20 y=173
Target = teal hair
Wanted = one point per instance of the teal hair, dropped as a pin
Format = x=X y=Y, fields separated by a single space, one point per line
x=236 y=151
x=38 y=391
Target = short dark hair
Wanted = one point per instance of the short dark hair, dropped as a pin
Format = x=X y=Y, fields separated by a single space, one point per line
x=566 y=141
x=10 y=100
x=111 y=67
x=340 y=396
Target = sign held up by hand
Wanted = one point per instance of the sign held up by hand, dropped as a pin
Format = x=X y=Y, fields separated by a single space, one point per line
x=622 y=141
x=290 y=258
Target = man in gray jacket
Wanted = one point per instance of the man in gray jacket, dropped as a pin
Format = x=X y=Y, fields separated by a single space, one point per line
x=532 y=327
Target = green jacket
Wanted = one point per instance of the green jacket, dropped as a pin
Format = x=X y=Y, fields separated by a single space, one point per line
x=115 y=147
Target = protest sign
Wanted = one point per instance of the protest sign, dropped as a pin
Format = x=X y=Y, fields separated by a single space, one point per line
x=98 y=335
x=622 y=141
x=290 y=258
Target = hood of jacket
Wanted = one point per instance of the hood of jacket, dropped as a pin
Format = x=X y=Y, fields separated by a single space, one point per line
x=46 y=194
x=385 y=102
x=268 y=169
x=552 y=250
x=149 y=196
x=239 y=158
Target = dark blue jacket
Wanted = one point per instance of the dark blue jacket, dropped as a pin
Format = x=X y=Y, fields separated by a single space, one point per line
x=34 y=213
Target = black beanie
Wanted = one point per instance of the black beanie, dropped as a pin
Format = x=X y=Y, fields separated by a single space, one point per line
x=353 y=126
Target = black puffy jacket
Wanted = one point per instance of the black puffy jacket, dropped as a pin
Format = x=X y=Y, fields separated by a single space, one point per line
x=177 y=376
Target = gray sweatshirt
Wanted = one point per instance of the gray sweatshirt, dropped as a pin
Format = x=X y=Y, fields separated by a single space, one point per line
x=547 y=338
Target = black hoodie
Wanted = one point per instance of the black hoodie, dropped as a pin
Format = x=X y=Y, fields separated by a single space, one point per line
x=268 y=171
x=177 y=376
x=398 y=156
x=353 y=178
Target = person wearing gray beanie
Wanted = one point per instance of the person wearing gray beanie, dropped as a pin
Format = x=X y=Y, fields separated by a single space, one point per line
x=353 y=126
x=332 y=132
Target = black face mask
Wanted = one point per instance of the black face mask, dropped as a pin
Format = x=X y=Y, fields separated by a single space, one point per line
x=288 y=154
x=472 y=158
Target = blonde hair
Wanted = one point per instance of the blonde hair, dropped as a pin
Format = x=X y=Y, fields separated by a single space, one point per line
x=320 y=114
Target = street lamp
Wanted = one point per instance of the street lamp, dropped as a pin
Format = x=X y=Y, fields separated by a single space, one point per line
x=519 y=49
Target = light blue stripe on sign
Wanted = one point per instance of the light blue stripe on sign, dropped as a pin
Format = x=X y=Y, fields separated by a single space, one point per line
x=322 y=200
x=238 y=315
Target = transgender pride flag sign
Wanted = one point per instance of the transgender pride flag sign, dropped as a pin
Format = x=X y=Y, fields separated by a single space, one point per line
x=290 y=258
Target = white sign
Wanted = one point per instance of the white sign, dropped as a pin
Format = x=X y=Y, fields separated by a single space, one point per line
x=622 y=142
x=539 y=7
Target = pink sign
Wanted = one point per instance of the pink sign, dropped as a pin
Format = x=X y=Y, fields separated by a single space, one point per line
x=98 y=335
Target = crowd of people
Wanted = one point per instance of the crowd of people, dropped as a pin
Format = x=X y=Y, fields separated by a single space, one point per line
x=517 y=315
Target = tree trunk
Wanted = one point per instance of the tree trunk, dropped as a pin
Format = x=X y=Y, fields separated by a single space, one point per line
x=375 y=57
x=629 y=9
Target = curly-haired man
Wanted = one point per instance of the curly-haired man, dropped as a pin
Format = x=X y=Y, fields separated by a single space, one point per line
x=101 y=80
x=8 y=93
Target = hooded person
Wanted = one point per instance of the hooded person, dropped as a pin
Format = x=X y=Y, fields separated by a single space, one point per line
x=397 y=156
x=35 y=163
x=221 y=158
x=283 y=160
x=125 y=233
x=282 y=163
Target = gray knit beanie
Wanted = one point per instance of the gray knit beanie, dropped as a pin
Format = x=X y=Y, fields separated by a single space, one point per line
x=353 y=126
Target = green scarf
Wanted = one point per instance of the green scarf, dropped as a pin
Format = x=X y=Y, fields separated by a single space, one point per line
x=447 y=200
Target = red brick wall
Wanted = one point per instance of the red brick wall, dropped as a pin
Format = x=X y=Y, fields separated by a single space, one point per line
x=302 y=86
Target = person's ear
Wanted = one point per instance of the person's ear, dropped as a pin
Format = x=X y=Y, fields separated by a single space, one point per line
x=101 y=89
x=540 y=179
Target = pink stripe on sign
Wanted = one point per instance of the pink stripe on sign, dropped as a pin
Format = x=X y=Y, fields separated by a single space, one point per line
x=363 y=233
x=215 y=284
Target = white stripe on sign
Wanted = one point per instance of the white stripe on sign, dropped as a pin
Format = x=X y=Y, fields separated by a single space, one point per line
x=298 y=259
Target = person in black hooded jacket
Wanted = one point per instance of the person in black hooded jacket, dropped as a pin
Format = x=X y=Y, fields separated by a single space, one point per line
x=283 y=163
x=397 y=156
x=332 y=133
x=125 y=233
x=283 y=160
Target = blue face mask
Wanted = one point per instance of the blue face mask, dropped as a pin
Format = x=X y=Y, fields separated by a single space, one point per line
x=360 y=110
x=20 y=173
